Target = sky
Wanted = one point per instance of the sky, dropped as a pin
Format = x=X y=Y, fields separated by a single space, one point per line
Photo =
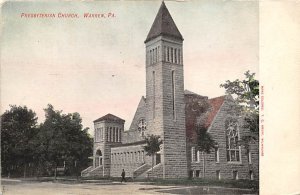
x=96 y=66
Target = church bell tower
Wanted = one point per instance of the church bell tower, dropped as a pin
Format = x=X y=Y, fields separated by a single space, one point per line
x=165 y=92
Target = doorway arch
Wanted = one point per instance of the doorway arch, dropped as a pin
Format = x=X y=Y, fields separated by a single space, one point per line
x=98 y=158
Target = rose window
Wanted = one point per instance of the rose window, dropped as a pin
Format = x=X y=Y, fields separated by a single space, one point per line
x=142 y=126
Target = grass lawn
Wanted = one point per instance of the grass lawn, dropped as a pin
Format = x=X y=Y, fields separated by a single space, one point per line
x=244 y=184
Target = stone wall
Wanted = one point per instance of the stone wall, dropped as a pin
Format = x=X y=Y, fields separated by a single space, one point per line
x=174 y=147
x=139 y=114
x=129 y=158
x=163 y=79
x=226 y=169
x=106 y=141
x=131 y=136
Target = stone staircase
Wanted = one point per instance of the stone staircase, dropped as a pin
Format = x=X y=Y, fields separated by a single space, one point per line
x=90 y=171
x=157 y=171
x=85 y=172
x=140 y=172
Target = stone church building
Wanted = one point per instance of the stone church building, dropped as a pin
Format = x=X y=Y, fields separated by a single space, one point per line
x=174 y=114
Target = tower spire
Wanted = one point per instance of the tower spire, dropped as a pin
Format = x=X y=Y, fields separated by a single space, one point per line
x=163 y=25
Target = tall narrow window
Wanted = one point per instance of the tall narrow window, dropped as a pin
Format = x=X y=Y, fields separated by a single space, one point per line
x=232 y=136
x=173 y=94
x=147 y=58
x=142 y=126
x=235 y=175
x=158 y=54
x=110 y=134
x=218 y=175
x=168 y=54
x=95 y=136
x=150 y=57
x=179 y=56
x=113 y=136
x=103 y=133
x=117 y=134
x=155 y=54
x=153 y=77
x=251 y=175
x=249 y=156
x=175 y=55
x=106 y=133
x=217 y=158
x=100 y=136
x=172 y=59
x=165 y=53
x=197 y=156
x=193 y=153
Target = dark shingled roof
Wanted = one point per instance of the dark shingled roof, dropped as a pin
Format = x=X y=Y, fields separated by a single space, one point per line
x=216 y=104
x=163 y=25
x=110 y=118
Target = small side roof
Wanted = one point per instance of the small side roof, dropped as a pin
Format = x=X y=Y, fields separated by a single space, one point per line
x=110 y=118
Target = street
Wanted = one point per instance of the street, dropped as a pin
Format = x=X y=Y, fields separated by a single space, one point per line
x=18 y=187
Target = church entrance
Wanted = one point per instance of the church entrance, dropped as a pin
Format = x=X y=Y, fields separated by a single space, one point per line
x=98 y=158
x=157 y=159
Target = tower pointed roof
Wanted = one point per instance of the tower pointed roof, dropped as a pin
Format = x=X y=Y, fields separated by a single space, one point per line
x=163 y=25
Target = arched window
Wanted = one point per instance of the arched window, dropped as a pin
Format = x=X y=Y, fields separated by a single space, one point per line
x=232 y=137
x=98 y=158
x=142 y=126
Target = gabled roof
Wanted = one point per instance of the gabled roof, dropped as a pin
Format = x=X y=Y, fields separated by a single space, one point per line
x=139 y=113
x=200 y=109
x=215 y=104
x=190 y=93
x=163 y=25
x=110 y=118
x=187 y=92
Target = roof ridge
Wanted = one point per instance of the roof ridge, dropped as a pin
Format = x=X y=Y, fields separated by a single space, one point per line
x=109 y=117
x=163 y=25
x=217 y=97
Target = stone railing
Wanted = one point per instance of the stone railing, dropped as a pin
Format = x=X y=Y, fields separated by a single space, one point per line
x=85 y=172
x=140 y=170
x=157 y=171
x=98 y=171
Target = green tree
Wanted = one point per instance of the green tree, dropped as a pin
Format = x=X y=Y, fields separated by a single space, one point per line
x=152 y=146
x=205 y=143
x=18 y=128
x=62 y=140
x=246 y=94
